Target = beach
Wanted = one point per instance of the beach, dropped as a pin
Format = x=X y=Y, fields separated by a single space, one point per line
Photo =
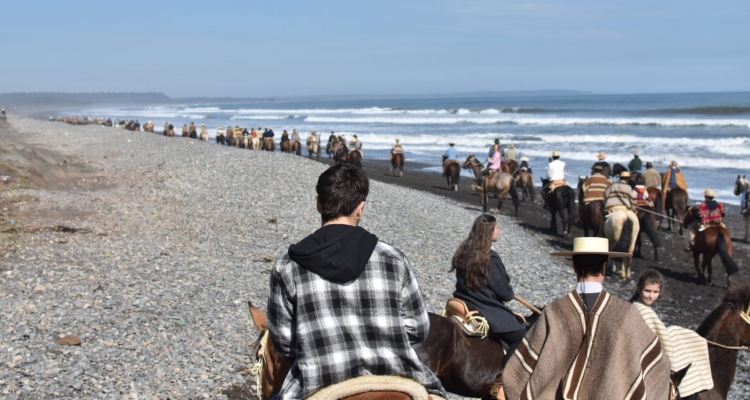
x=148 y=248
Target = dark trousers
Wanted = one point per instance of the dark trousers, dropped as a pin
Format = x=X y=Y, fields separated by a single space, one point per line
x=512 y=339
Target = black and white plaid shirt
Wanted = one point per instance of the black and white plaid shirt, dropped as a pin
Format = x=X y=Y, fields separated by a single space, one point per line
x=335 y=332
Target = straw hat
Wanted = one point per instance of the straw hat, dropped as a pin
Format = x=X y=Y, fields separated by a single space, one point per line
x=555 y=153
x=590 y=245
x=524 y=159
x=451 y=143
x=398 y=140
x=709 y=193
x=601 y=156
x=624 y=174
x=637 y=154
x=353 y=141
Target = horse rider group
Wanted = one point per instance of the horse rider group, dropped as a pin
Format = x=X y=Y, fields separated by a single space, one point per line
x=396 y=149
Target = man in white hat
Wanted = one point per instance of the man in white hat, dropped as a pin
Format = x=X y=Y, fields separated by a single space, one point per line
x=711 y=212
x=555 y=175
x=451 y=154
x=524 y=167
x=606 y=168
x=356 y=145
x=588 y=344
x=396 y=149
x=511 y=153
x=635 y=166
x=619 y=195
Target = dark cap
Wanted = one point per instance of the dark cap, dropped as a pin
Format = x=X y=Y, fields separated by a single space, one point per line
x=648 y=164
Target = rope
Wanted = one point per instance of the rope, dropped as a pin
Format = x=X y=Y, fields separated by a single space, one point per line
x=656 y=213
x=528 y=305
x=745 y=317
x=257 y=369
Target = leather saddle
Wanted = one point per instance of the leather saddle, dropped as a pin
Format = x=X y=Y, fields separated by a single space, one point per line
x=471 y=322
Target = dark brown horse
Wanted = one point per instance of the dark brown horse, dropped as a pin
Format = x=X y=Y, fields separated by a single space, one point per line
x=709 y=242
x=339 y=152
x=465 y=366
x=657 y=197
x=397 y=163
x=297 y=148
x=452 y=173
x=473 y=164
x=589 y=214
x=510 y=167
x=675 y=206
x=286 y=146
x=560 y=202
x=354 y=158
x=726 y=326
x=648 y=225
x=270 y=144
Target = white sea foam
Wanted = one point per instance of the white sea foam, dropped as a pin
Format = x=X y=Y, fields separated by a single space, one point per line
x=262 y=117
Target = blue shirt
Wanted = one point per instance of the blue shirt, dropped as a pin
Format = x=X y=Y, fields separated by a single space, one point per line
x=451 y=153
x=673 y=178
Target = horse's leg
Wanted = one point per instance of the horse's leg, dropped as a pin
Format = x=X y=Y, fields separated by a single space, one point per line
x=696 y=263
x=553 y=222
x=707 y=261
x=746 y=216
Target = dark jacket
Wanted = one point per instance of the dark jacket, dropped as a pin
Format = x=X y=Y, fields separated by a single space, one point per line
x=606 y=168
x=490 y=300
x=635 y=165
x=268 y=134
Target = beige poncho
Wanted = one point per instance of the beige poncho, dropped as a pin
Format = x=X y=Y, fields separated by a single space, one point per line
x=620 y=359
x=683 y=348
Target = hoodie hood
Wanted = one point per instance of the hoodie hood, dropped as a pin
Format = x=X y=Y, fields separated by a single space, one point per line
x=338 y=253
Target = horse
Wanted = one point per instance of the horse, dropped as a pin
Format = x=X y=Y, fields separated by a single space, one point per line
x=727 y=330
x=562 y=200
x=204 y=136
x=675 y=205
x=742 y=189
x=397 y=163
x=466 y=366
x=648 y=224
x=618 y=168
x=589 y=214
x=713 y=240
x=270 y=144
x=286 y=146
x=509 y=166
x=313 y=148
x=254 y=143
x=332 y=141
x=452 y=173
x=297 y=148
x=525 y=181
x=621 y=228
x=474 y=164
x=339 y=152
x=657 y=196
x=503 y=184
x=354 y=157
x=220 y=139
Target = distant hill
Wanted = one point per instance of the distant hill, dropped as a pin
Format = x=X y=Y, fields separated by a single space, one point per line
x=81 y=99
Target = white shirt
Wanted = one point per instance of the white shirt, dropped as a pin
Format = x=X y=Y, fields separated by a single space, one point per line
x=589 y=287
x=556 y=170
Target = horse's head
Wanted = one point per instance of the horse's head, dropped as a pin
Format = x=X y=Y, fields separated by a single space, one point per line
x=730 y=321
x=691 y=215
x=740 y=185
x=470 y=162
x=273 y=369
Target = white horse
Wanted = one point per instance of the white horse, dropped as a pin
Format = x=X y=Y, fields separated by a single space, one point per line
x=741 y=188
x=621 y=229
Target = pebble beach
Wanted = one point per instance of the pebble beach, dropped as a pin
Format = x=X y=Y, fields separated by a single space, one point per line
x=148 y=249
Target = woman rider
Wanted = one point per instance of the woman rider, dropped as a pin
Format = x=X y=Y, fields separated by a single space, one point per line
x=484 y=285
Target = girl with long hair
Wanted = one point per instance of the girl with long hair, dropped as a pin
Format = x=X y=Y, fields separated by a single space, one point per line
x=483 y=283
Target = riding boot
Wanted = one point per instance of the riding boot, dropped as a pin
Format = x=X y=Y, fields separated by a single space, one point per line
x=497 y=388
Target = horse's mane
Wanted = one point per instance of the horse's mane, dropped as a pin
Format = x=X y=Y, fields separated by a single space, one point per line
x=737 y=296
x=735 y=300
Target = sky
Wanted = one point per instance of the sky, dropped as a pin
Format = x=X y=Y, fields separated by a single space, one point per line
x=285 y=48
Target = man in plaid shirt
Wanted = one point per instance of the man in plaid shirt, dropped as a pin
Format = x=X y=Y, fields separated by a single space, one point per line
x=344 y=304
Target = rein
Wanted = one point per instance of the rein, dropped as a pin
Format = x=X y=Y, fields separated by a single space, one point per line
x=661 y=215
x=745 y=317
x=257 y=369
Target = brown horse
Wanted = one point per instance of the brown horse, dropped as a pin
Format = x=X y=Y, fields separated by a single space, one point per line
x=589 y=214
x=286 y=146
x=297 y=148
x=648 y=224
x=270 y=144
x=675 y=206
x=525 y=181
x=741 y=188
x=474 y=164
x=452 y=173
x=503 y=184
x=510 y=167
x=339 y=152
x=657 y=197
x=726 y=326
x=397 y=163
x=465 y=366
x=713 y=240
x=313 y=148
x=354 y=158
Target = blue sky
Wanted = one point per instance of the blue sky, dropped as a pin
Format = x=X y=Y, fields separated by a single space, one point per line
x=284 y=48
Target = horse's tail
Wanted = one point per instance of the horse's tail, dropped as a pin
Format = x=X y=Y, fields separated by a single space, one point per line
x=570 y=204
x=623 y=244
x=514 y=193
x=659 y=205
x=650 y=230
x=726 y=259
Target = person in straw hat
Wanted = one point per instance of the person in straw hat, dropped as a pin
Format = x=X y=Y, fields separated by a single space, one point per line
x=524 y=167
x=711 y=212
x=588 y=343
x=619 y=195
x=451 y=154
x=606 y=168
x=673 y=178
x=635 y=165
x=511 y=153
x=396 y=149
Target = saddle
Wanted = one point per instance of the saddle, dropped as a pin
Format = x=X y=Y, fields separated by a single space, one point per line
x=373 y=387
x=447 y=163
x=556 y=184
x=705 y=225
x=471 y=323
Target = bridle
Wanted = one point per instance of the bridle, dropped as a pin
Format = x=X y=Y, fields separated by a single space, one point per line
x=745 y=315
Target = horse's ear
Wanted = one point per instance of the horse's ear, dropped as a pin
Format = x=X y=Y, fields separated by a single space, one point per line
x=260 y=319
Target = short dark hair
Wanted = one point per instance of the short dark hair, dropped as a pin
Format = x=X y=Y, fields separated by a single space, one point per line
x=340 y=190
x=555 y=157
x=589 y=264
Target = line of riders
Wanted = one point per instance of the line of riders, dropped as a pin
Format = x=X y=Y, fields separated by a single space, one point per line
x=347 y=320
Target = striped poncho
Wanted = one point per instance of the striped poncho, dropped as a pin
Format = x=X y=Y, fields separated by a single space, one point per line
x=620 y=358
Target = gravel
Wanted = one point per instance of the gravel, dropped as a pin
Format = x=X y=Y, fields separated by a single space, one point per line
x=173 y=238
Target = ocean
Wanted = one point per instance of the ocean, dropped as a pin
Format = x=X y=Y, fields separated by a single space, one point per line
x=708 y=134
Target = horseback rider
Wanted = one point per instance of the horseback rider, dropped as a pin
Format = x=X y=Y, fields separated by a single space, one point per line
x=356 y=145
x=619 y=195
x=635 y=165
x=284 y=137
x=555 y=175
x=651 y=177
x=492 y=149
x=589 y=344
x=711 y=213
x=683 y=347
x=594 y=186
x=606 y=168
x=642 y=199
x=185 y=130
x=673 y=179
x=511 y=153
x=483 y=283
x=342 y=303
x=396 y=149
x=495 y=163
x=268 y=133
x=313 y=138
x=451 y=154
x=524 y=167
x=295 y=136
